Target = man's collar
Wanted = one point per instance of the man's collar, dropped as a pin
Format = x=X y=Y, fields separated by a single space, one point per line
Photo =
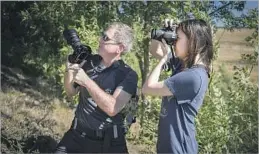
x=115 y=64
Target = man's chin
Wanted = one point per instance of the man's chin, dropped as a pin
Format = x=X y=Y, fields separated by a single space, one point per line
x=99 y=52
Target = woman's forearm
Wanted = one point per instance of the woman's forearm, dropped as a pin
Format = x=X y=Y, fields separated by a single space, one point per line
x=153 y=78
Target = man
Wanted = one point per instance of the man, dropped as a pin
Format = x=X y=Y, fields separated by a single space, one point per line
x=98 y=123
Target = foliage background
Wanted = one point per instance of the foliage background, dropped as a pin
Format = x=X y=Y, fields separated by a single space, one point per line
x=31 y=40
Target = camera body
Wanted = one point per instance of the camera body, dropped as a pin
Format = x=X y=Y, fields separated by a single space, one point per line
x=81 y=52
x=168 y=34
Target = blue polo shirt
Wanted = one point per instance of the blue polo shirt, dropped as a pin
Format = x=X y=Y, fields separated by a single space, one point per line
x=176 y=129
x=119 y=74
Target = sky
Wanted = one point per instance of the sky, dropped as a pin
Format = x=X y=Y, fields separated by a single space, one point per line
x=248 y=6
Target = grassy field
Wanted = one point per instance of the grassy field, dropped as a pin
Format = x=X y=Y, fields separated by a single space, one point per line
x=29 y=107
x=232 y=45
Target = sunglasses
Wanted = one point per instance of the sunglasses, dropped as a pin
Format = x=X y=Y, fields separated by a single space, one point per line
x=106 y=38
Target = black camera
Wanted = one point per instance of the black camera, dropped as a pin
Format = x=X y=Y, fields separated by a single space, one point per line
x=168 y=34
x=81 y=52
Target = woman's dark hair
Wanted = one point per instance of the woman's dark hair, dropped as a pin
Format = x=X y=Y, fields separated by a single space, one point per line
x=200 y=42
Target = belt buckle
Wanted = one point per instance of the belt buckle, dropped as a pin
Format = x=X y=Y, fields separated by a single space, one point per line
x=99 y=133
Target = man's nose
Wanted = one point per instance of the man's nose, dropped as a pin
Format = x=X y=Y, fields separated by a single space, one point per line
x=101 y=40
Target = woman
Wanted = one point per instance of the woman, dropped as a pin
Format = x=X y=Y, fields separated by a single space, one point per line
x=183 y=92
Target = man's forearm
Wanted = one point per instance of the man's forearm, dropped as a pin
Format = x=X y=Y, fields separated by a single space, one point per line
x=105 y=101
x=68 y=83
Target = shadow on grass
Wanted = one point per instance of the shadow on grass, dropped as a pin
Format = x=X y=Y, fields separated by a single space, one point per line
x=38 y=88
x=41 y=144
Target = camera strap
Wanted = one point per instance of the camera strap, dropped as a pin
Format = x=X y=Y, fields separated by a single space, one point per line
x=100 y=67
x=82 y=63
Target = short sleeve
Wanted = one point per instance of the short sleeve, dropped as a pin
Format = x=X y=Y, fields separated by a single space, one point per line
x=129 y=83
x=184 y=86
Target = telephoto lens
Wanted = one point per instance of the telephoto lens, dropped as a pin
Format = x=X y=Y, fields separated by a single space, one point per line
x=81 y=52
x=72 y=38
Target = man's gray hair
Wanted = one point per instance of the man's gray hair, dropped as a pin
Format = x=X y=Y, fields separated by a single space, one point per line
x=123 y=34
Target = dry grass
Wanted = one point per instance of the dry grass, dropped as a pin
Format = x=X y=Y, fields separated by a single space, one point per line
x=22 y=119
x=232 y=45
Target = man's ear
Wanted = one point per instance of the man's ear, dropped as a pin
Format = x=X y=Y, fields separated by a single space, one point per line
x=121 y=48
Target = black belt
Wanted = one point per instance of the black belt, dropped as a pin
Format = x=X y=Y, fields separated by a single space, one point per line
x=115 y=130
x=104 y=135
x=83 y=131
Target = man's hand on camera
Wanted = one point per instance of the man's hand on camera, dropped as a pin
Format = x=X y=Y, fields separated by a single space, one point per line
x=80 y=76
x=68 y=64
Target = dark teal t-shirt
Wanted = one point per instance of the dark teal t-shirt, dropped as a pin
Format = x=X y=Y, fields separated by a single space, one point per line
x=88 y=113
x=176 y=130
